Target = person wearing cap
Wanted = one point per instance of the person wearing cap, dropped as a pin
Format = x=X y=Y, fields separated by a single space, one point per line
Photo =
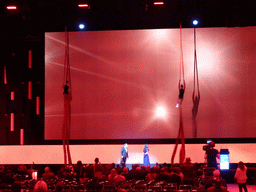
x=212 y=155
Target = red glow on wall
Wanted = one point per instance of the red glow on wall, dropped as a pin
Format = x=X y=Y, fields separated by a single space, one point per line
x=11 y=7
x=5 y=77
x=21 y=136
x=38 y=105
x=12 y=122
x=30 y=59
x=30 y=90
x=12 y=96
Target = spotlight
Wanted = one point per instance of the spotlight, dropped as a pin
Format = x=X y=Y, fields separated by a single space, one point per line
x=160 y=111
x=83 y=5
x=158 y=3
x=195 y=22
x=11 y=7
x=81 y=26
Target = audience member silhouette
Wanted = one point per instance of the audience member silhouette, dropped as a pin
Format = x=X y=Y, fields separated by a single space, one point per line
x=41 y=186
x=108 y=169
x=217 y=187
x=1 y=171
x=151 y=176
x=80 y=172
x=98 y=169
x=89 y=171
x=30 y=171
x=47 y=174
x=59 y=186
x=241 y=176
x=112 y=175
x=211 y=180
x=162 y=176
x=22 y=169
x=119 y=179
x=94 y=185
x=189 y=171
x=125 y=172
x=174 y=176
x=65 y=172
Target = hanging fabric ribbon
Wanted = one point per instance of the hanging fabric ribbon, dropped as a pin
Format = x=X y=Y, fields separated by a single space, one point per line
x=196 y=93
x=181 y=79
x=67 y=103
x=181 y=94
x=182 y=138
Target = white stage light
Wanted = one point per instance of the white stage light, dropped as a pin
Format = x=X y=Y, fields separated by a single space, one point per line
x=11 y=7
x=195 y=22
x=81 y=26
x=160 y=111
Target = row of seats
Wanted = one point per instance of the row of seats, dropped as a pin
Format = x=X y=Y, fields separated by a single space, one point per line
x=138 y=186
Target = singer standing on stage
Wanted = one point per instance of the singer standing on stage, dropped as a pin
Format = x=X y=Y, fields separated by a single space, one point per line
x=124 y=154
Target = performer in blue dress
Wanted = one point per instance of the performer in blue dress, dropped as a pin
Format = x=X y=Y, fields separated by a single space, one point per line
x=146 y=156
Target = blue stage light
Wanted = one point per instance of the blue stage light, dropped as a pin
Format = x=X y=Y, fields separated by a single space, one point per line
x=195 y=22
x=81 y=26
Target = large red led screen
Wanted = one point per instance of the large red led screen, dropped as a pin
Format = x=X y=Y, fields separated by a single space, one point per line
x=125 y=83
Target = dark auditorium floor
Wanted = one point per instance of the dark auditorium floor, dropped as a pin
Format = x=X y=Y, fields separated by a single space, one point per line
x=234 y=188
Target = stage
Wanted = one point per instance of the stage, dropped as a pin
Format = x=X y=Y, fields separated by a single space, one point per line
x=158 y=153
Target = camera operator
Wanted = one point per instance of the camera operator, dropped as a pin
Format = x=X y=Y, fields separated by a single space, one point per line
x=211 y=154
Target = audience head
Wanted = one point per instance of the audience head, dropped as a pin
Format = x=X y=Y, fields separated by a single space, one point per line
x=79 y=164
x=143 y=167
x=125 y=170
x=241 y=165
x=138 y=168
x=152 y=170
x=216 y=173
x=59 y=186
x=40 y=186
x=212 y=144
x=96 y=160
x=47 y=169
x=162 y=170
x=113 y=171
x=188 y=160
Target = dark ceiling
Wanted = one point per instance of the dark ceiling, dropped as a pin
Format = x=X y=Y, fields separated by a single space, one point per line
x=34 y=16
